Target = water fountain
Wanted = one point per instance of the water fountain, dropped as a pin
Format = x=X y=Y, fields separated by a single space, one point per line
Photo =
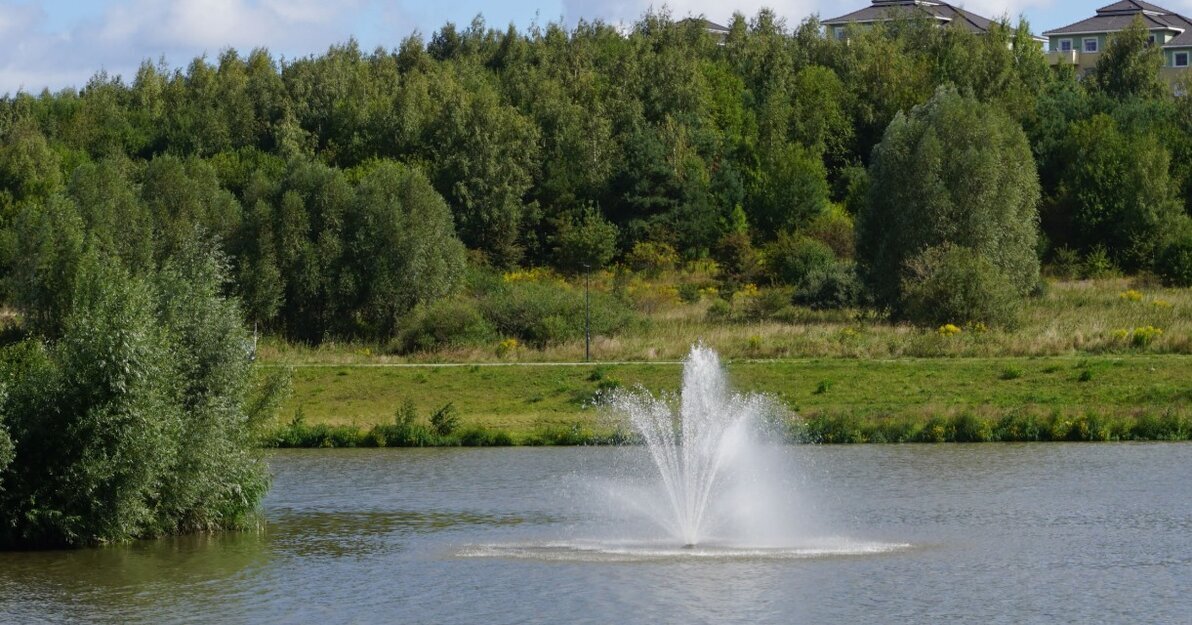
x=702 y=449
x=708 y=479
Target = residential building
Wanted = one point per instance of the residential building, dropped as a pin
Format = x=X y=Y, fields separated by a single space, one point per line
x=717 y=31
x=886 y=10
x=1082 y=43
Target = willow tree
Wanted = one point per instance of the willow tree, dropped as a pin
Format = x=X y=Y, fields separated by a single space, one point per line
x=952 y=172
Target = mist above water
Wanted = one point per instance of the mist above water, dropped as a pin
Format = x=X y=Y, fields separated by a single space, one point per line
x=716 y=477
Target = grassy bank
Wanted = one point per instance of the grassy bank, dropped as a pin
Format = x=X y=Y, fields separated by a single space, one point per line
x=1091 y=317
x=1108 y=397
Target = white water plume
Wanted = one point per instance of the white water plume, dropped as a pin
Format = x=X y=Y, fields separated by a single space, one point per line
x=709 y=461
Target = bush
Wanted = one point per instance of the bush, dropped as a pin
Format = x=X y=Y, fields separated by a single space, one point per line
x=140 y=420
x=768 y=304
x=445 y=420
x=738 y=260
x=1066 y=263
x=835 y=229
x=1174 y=264
x=951 y=284
x=830 y=288
x=652 y=258
x=544 y=313
x=792 y=258
x=584 y=240
x=969 y=428
x=444 y=323
x=719 y=310
x=954 y=171
x=1098 y=265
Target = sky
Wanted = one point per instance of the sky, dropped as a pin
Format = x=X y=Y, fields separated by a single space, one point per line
x=56 y=44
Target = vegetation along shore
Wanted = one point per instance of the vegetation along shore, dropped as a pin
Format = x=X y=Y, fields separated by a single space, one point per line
x=903 y=232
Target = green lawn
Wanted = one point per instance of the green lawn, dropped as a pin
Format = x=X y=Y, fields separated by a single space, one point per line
x=520 y=398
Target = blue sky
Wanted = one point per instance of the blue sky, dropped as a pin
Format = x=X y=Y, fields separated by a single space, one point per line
x=61 y=43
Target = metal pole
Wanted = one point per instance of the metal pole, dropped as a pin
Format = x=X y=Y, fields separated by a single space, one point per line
x=587 y=316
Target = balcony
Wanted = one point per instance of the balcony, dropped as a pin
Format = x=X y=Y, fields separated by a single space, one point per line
x=1082 y=60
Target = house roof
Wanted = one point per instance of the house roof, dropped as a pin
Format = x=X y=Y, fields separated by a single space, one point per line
x=1119 y=15
x=885 y=10
x=706 y=24
x=1182 y=41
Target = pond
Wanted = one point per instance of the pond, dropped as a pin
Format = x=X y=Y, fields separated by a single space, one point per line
x=1046 y=533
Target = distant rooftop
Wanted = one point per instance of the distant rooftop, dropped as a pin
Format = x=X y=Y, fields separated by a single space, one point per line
x=708 y=25
x=1120 y=15
x=886 y=10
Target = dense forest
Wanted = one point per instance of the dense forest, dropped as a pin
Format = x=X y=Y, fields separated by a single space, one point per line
x=349 y=191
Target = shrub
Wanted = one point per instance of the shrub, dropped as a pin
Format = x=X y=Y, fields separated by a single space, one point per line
x=969 y=428
x=792 y=258
x=476 y=436
x=831 y=288
x=951 y=284
x=584 y=240
x=1098 y=265
x=6 y=450
x=1066 y=263
x=652 y=258
x=444 y=323
x=1174 y=264
x=1019 y=427
x=835 y=229
x=1145 y=335
x=445 y=420
x=542 y=313
x=955 y=171
x=719 y=310
x=689 y=292
x=141 y=419
x=739 y=262
x=768 y=304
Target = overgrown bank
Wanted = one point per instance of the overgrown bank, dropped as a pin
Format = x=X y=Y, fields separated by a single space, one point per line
x=1129 y=397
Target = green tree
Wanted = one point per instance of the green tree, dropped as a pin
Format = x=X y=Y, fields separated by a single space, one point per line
x=45 y=247
x=29 y=169
x=401 y=247
x=484 y=154
x=1116 y=191
x=1129 y=67
x=585 y=240
x=953 y=171
x=791 y=190
x=139 y=420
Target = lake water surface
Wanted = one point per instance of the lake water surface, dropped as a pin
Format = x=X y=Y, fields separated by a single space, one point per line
x=995 y=533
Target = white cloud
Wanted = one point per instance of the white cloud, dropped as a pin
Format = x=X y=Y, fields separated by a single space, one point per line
x=130 y=31
x=628 y=11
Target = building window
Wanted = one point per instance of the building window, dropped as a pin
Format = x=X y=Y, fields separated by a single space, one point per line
x=1180 y=59
x=1065 y=45
x=1090 y=45
x=839 y=31
x=1150 y=40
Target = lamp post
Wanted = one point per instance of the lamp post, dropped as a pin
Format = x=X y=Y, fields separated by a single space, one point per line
x=587 y=315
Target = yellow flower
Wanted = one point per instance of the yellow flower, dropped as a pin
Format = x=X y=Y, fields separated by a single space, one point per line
x=1160 y=303
x=949 y=329
x=506 y=347
x=1130 y=296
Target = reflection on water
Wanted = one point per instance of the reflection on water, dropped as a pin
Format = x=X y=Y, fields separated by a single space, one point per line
x=988 y=534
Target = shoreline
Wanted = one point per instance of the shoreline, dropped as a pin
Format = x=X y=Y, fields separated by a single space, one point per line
x=1079 y=397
